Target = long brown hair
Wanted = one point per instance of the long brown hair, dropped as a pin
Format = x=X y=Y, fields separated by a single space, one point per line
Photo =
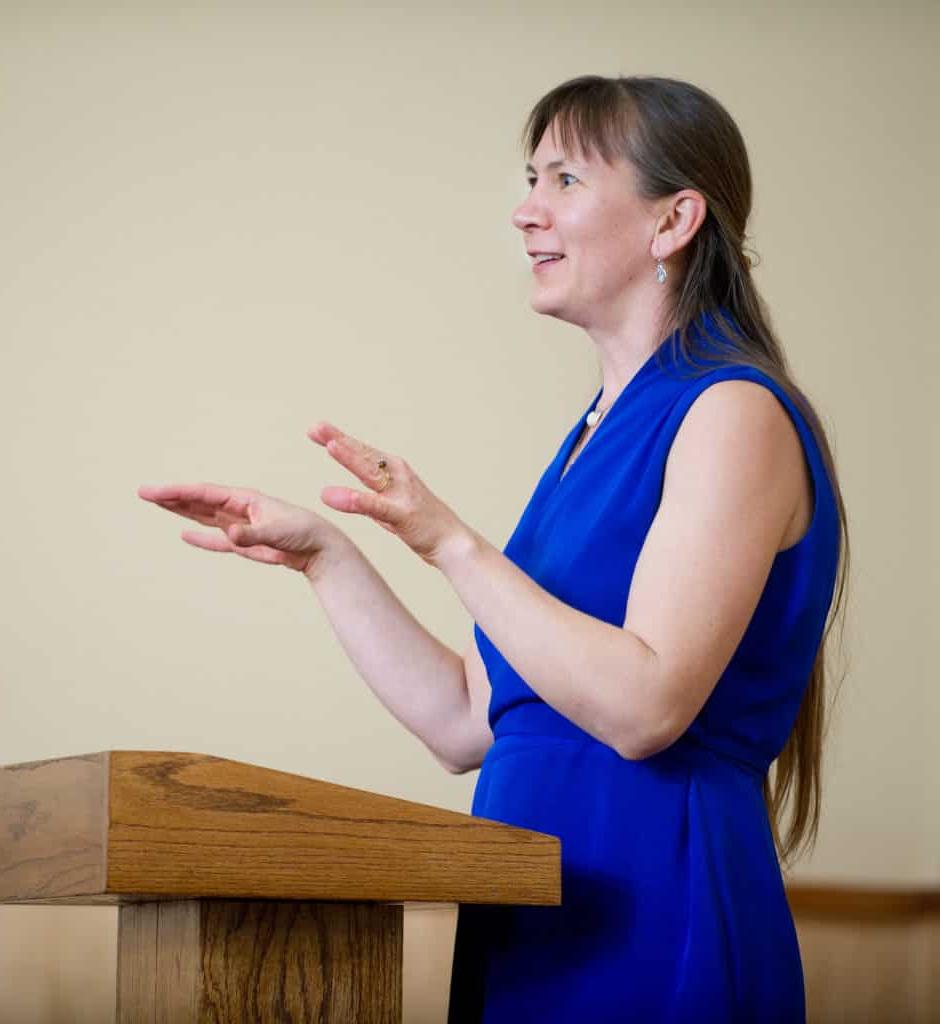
x=677 y=136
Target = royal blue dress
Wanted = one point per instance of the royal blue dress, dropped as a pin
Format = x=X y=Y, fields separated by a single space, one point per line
x=673 y=904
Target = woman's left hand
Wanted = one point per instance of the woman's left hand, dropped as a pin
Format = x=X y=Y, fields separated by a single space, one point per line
x=405 y=507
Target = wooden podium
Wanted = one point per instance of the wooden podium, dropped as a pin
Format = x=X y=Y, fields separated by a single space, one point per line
x=247 y=894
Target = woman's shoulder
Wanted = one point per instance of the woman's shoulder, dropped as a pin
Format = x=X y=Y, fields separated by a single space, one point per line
x=746 y=391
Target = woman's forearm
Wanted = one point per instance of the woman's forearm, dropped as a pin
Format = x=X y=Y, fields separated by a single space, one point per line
x=420 y=680
x=600 y=676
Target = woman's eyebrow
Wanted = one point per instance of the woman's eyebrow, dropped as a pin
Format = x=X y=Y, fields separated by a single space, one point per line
x=553 y=163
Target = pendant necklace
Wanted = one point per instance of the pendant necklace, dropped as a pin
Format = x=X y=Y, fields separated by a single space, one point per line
x=594 y=417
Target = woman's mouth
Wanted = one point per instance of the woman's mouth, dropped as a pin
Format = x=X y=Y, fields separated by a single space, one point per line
x=540 y=265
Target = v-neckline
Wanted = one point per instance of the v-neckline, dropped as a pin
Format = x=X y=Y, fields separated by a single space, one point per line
x=575 y=436
x=567 y=463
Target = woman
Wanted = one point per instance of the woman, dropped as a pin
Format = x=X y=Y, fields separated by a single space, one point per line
x=652 y=637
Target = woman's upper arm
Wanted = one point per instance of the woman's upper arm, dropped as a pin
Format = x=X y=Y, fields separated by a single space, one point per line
x=731 y=486
x=476 y=734
x=468 y=735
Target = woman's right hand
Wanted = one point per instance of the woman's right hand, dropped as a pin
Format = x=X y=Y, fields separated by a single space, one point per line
x=251 y=524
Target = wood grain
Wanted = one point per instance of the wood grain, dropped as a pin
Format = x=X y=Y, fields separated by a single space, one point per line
x=53 y=827
x=179 y=825
x=188 y=824
x=246 y=961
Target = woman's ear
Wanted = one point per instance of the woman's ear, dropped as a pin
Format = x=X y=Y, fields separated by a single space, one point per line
x=677 y=226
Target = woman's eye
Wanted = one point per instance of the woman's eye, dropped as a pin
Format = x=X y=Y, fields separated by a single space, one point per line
x=563 y=174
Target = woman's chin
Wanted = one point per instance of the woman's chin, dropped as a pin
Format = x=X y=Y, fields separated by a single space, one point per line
x=548 y=306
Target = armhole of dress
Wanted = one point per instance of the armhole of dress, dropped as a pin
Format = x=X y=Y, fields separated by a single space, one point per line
x=811 y=454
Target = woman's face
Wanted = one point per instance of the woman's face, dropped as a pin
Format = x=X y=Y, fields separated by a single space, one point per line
x=589 y=212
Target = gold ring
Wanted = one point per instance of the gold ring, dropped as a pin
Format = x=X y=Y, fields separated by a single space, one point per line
x=388 y=476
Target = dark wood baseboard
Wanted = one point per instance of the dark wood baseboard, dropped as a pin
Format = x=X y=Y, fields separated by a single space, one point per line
x=821 y=901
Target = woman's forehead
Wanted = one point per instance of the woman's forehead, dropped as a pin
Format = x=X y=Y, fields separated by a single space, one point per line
x=556 y=147
x=549 y=156
x=567 y=145
x=551 y=160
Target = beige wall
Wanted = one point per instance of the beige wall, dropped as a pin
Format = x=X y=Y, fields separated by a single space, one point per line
x=221 y=226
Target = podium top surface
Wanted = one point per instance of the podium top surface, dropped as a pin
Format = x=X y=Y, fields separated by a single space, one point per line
x=124 y=825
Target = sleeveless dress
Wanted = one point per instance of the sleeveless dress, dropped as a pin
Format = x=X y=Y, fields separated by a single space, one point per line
x=673 y=903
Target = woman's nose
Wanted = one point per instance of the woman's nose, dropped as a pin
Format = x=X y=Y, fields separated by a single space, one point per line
x=529 y=213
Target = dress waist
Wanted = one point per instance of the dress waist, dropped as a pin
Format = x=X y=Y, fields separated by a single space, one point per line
x=536 y=718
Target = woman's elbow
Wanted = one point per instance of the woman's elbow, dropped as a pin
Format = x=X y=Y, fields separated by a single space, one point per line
x=648 y=737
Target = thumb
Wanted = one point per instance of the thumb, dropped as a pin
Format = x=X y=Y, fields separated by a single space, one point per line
x=245 y=536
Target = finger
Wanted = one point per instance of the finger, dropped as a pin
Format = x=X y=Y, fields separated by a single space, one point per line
x=204 y=516
x=365 y=462
x=323 y=431
x=228 y=500
x=341 y=498
x=208 y=515
x=204 y=493
x=256 y=544
x=219 y=542
x=362 y=503
x=246 y=536
x=357 y=456
x=206 y=503
x=207 y=493
x=208 y=541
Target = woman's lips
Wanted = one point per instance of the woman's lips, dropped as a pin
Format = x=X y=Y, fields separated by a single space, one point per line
x=540 y=267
